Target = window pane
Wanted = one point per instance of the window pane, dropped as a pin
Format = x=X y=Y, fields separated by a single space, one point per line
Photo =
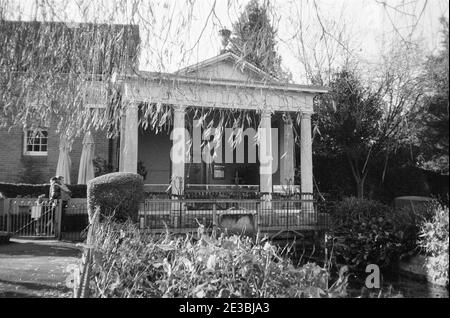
x=36 y=141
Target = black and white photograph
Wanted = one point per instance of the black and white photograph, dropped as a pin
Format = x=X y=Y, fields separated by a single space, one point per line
x=217 y=157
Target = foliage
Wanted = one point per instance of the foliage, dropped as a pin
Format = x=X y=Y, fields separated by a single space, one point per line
x=117 y=193
x=432 y=117
x=349 y=123
x=434 y=240
x=366 y=122
x=368 y=232
x=47 y=68
x=142 y=170
x=130 y=263
x=20 y=190
x=406 y=181
x=332 y=175
x=101 y=166
x=254 y=39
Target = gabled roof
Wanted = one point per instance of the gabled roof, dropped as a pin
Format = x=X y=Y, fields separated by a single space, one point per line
x=227 y=56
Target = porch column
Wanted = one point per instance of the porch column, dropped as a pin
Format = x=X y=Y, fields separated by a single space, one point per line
x=178 y=152
x=129 y=141
x=287 y=171
x=265 y=153
x=306 y=161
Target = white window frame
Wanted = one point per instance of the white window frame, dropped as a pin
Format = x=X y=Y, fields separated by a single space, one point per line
x=25 y=144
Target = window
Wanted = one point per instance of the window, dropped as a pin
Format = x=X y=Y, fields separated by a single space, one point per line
x=36 y=142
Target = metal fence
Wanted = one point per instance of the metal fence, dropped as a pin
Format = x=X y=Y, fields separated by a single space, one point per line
x=271 y=216
x=31 y=218
x=44 y=218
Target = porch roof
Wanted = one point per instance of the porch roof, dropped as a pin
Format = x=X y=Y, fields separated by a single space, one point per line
x=184 y=90
x=176 y=78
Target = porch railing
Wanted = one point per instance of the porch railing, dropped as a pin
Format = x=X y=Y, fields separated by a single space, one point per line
x=24 y=217
x=279 y=215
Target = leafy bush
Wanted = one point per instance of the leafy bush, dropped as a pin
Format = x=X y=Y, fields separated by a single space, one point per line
x=130 y=263
x=101 y=166
x=434 y=241
x=369 y=232
x=117 y=193
x=16 y=190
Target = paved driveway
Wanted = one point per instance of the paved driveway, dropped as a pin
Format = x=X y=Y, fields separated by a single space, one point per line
x=30 y=268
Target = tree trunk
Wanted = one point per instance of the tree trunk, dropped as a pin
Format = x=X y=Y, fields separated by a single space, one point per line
x=360 y=185
x=360 y=188
x=358 y=177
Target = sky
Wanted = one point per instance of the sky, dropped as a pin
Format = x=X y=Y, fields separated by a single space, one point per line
x=177 y=33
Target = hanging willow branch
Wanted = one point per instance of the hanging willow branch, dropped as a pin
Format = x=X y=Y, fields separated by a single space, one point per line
x=49 y=65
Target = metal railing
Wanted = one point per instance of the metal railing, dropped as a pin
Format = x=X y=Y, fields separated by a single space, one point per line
x=29 y=218
x=270 y=214
x=280 y=215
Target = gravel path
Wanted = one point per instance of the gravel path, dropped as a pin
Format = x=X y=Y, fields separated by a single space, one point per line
x=31 y=268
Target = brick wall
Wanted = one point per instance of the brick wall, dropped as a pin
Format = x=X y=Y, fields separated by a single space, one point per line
x=16 y=167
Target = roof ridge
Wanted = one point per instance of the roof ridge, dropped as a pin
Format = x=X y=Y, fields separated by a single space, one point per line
x=221 y=57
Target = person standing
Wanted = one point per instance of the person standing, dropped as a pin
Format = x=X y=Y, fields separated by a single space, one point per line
x=65 y=197
x=55 y=189
x=55 y=196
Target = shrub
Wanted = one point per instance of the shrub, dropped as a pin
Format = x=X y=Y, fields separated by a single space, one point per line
x=130 y=263
x=434 y=240
x=405 y=181
x=79 y=191
x=101 y=167
x=369 y=232
x=117 y=193
x=16 y=190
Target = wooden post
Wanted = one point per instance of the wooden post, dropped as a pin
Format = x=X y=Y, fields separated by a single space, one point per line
x=287 y=156
x=58 y=217
x=178 y=151
x=265 y=155
x=8 y=215
x=306 y=164
x=257 y=218
x=215 y=219
x=129 y=144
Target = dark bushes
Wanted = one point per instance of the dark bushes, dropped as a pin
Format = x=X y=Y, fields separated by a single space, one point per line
x=117 y=193
x=369 y=232
x=16 y=190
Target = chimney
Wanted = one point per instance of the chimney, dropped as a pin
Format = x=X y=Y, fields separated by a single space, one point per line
x=225 y=35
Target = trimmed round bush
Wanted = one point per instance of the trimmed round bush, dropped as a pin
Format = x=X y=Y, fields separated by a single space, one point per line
x=115 y=194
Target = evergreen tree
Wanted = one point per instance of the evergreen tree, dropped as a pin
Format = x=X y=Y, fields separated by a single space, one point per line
x=349 y=121
x=254 y=39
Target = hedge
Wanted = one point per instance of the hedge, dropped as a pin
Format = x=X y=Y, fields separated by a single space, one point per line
x=118 y=194
x=22 y=190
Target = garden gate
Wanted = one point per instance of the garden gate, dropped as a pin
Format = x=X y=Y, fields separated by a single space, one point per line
x=31 y=218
